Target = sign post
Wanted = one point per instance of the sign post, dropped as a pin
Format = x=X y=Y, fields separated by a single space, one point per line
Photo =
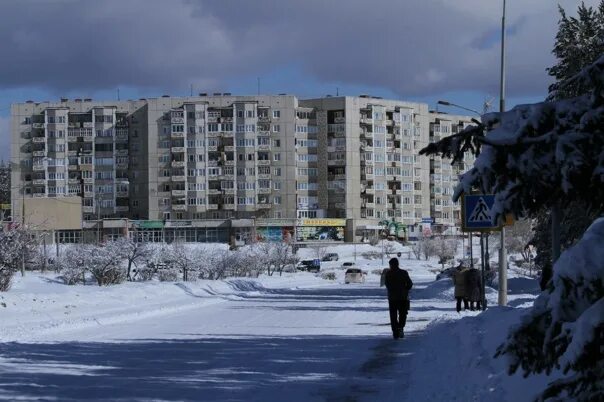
x=476 y=215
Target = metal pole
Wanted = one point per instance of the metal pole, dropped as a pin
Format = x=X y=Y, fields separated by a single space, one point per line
x=503 y=269
x=482 y=290
x=23 y=230
x=487 y=269
x=471 y=252
x=44 y=262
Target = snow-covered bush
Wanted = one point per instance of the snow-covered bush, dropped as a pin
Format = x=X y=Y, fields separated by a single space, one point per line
x=371 y=255
x=105 y=264
x=276 y=256
x=330 y=276
x=444 y=249
x=565 y=328
x=71 y=265
x=167 y=274
x=15 y=244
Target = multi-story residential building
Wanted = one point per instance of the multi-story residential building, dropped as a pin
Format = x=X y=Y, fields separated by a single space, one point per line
x=445 y=213
x=210 y=168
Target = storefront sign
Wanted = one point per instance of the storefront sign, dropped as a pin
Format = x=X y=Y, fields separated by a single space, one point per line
x=149 y=224
x=321 y=222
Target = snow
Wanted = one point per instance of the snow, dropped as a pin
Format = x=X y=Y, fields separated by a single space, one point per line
x=252 y=339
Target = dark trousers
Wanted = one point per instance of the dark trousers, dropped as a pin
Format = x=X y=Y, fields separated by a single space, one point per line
x=398 y=315
x=465 y=303
x=478 y=305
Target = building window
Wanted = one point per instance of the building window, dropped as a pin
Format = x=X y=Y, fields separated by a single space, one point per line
x=276 y=114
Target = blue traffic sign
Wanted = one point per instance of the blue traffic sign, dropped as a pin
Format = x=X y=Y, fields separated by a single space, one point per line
x=477 y=214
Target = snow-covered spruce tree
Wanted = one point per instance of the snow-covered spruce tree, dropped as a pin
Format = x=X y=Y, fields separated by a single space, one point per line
x=533 y=157
x=565 y=328
x=579 y=43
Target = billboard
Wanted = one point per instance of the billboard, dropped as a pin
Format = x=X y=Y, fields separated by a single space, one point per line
x=322 y=233
x=274 y=233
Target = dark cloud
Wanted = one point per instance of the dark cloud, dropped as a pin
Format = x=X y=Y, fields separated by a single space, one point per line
x=413 y=48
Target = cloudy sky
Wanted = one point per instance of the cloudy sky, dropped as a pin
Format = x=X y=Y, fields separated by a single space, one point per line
x=421 y=50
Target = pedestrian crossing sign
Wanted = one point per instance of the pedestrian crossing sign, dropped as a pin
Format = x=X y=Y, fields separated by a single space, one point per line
x=476 y=211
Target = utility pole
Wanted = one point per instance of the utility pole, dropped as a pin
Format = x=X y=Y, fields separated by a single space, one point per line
x=23 y=230
x=503 y=269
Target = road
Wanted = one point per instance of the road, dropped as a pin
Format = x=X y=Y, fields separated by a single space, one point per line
x=327 y=342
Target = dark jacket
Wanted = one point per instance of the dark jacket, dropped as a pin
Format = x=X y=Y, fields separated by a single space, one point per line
x=398 y=284
x=473 y=284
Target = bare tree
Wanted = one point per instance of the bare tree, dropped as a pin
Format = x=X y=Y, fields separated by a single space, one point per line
x=428 y=247
x=388 y=247
x=444 y=249
x=518 y=236
x=15 y=246
x=416 y=248
x=319 y=250
x=133 y=252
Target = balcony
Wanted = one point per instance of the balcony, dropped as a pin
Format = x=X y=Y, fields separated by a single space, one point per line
x=38 y=167
x=87 y=124
x=370 y=190
x=88 y=209
x=229 y=191
x=179 y=207
x=212 y=206
x=366 y=120
x=229 y=148
x=38 y=140
x=340 y=177
x=264 y=119
x=229 y=206
x=229 y=163
x=179 y=178
x=39 y=153
x=88 y=194
x=121 y=152
x=178 y=150
x=73 y=181
x=264 y=147
x=38 y=125
x=339 y=120
x=264 y=176
x=264 y=163
x=228 y=134
x=264 y=205
x=177 y=120
x=212 y=148
x=264 y=191
x=121 y=165
x=39 y=195
x=264 y=133
x=214 y=191
x=179 y=193
x=368 y=205
x=179 y=164
x=337 y=162
x=38 y=182
x=122 y=194
x=177 y=134
x=122 y=208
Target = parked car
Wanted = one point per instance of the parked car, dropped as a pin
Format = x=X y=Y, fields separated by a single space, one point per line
x=354 y=275
x=309 y=265
x=331 y=257
x=348 y=264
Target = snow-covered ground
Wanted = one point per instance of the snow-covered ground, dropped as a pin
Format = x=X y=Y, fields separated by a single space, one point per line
x=296 y=337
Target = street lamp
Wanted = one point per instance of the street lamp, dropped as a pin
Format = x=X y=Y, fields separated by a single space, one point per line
x=447 y=103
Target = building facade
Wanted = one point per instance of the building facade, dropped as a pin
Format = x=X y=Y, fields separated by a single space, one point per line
x=210 y=168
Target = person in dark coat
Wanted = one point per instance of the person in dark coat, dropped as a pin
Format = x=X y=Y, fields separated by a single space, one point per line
x=473 y=287
x=398 y=284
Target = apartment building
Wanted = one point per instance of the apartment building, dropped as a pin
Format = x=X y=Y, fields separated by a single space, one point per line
x=214 y=167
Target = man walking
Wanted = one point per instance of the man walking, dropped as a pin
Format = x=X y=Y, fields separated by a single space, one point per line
x=398 y=284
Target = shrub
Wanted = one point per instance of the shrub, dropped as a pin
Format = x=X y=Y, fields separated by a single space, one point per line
x=330 y=276
x=168 y=275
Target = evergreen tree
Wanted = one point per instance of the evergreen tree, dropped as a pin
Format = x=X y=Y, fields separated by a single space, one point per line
x=531 y=158
x=579 y=43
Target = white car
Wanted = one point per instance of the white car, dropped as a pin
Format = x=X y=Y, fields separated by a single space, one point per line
x=354 y=275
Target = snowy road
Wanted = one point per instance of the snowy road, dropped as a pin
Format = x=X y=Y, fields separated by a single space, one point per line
x=233 y=340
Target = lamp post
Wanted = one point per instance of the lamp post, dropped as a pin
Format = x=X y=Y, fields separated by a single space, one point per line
x=503 y=271
x=447 y=103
